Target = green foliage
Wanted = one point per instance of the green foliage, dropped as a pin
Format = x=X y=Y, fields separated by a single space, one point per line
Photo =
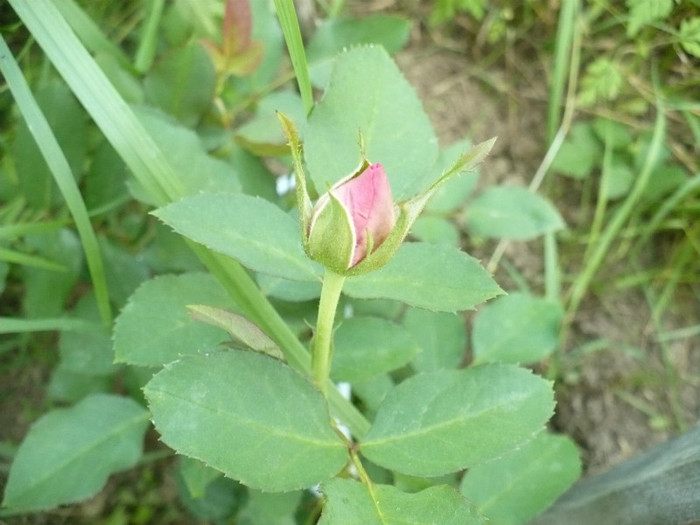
x=186 y=150
x=182 y=83
x=602 y=82
x=231 y=410
x=434 y=229
x=644 y=12
x=337 y=34
x=517 y=328
x=262 y=134
x=579 y=154
x=451 y=196
x=48 y=289
x=69 y=453
x=441 y=338
x=366 y=347
x=517 y=486
x=457 y=407
x=511 y=213
x=353 y=503
x=184 y=128
x=411 y=277
x=261 y=235
x=447 y=9
x=365 y=93
x=68 y=124
x=86 y=357
x=690 y=36
x=273 y=508
x=155 y=328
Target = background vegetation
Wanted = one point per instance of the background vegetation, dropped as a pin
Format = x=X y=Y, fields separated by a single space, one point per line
x=596 y=108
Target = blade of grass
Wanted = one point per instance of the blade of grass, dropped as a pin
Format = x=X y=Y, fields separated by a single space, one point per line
x=295 y=46
x=552 y=274
x=560 y=70
x=90 y=33
x=623 y=213
x=149 y=38
x=24 y=259
x=12 y=231
x=155 y=174
x=687 y=188
x=9 y=325
x=657 y=303
x=602 y=198
x=684 y=256
x=58 y=165
x=679 y=333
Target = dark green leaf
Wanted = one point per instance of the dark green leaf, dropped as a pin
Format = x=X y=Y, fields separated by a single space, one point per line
x=511 y=212
x=67 y=121
x=441 y=337
x=251 y=230
x=579 y=154
x=353 y=503
x=435 y=277
x=182 y=83
x=514 y=488
x=270 y=509
x=365 y=347
x=516 y=328
x=69 y=453
x=249 y=416
x=197 y=169
x=262 y=135
x=155 y=328
x=366 y=95
x=444 y=421
x=337 y=34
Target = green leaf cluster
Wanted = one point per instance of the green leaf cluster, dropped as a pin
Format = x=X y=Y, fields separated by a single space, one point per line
x=218 y=363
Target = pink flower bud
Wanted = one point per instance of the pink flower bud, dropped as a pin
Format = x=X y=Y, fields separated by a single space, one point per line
x=341 y=241
x=368 y=199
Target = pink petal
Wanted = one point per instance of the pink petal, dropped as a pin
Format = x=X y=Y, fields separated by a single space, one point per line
x=368 y=199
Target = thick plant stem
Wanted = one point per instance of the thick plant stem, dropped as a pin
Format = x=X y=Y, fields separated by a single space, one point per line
x=321 y=349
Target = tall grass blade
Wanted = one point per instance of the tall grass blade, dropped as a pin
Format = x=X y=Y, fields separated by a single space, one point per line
x=562 y=52
x=687 y=188
x=12 y=256
x=58 y=165
x=149 y=39
x=580 y=285
x=89 y=33
x=9 y=325
x=292 y=36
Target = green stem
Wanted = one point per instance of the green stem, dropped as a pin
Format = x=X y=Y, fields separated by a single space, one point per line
x=321 y=350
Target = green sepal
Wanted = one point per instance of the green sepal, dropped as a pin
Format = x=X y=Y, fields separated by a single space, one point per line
x=410 y=210
x=331 y=238
x=302 y=193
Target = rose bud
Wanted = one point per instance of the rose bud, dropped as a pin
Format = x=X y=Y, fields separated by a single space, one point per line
x=355 y=227
x=352 y=219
